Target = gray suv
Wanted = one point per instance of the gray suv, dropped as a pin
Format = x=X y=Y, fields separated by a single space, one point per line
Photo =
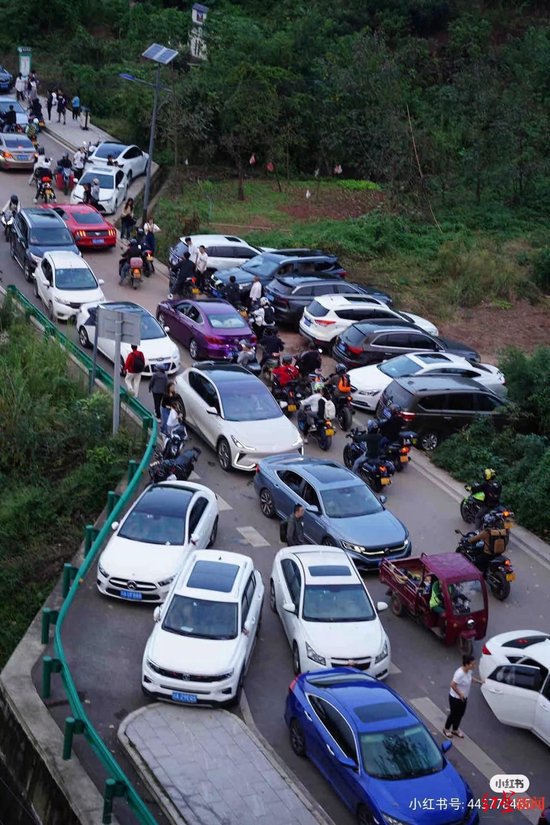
x=35 y=231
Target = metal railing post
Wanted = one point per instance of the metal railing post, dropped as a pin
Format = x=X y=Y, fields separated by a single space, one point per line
x=69 y=573
x=72 y=726
x=112 y=789
x=49 y=666
x=49 y=617
x=112 y=499
x=90 y=533
x=132 y=469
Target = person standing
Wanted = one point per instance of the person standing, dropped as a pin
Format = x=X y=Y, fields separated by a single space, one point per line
x=255 y=290
x=78 y=163
x=232 y=293
x=127 y=220
x=192 y=249
x=75 y=103
x=185 y=277
x=20 y=87
x=51 y=103
x=201 y=264
x=458 y=696
x=150 y=228
x=61 y=108
x=95 y=192
x=134 y=366
x=167 y=403
x=87 y=195
x=158 y=386
x=295 y=526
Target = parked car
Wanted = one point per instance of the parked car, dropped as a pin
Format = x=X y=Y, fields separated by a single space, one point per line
x=516 y=668
x=34 y=232
x=270 y=265
x=370 y=342
x=6 y=79
x=374 y=750
x=128 y=157
x=22 y=117
x=88 y=227
x=16 y=151
x=64 y=281
x=236 y=414
x=340 y=510
x=291 y=294
x=208 y=328
x=224 y=251
x=326 y=611
x=369 y=382
x=437 y=406
x=159 y=351
x=113 y=187
x=204 y=634
x=150 y=544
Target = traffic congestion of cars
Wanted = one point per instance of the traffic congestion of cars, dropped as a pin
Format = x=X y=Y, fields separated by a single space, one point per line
x=370 y=745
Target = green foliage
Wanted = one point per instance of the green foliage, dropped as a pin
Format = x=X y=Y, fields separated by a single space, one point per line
x=528 y=382
x=359 y=185
x=541 y=269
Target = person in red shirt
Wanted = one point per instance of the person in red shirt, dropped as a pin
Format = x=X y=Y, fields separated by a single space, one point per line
x=286 y=372
x=134 y=366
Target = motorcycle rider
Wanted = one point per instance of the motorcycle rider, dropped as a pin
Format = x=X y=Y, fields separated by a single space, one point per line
x=372 y=440
x=317 y=407
x=262 y=315
x=13 y=205
x=493 y=536
x=232 y=293
x=339 y=381
x=185 y=275
x=64 y=163
x=247 y=353
x=132 y=251
x=286 y=372
x=42 y=169
x=272 y=345
x=309 y=361
x=492 y=489
x=391 y=426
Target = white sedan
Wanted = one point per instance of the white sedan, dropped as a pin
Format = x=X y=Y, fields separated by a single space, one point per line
x=63 y=281
x=326 y=611
x=128 y=157
x=370 y=382
x=204 y=635
x=235 y=413
x=113 y=187
x=150 y=544
x=516 y=670
x=159 y=350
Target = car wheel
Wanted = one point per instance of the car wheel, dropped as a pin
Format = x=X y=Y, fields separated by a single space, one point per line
x=83 y=338
x=297 y=738
x=193 y=349
x=130 y=177
x=272 y=597
x=328 y=541
x=27 y=272
x=296 y=664
x=51 y=313
x=224 y=455
x=266 y=503
x=364 y=816
x=396 y=605
x=35 y=289
x=429 y=440
x=214 y=533
x=12 y=248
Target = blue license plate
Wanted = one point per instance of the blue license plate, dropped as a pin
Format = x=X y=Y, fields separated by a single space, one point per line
x=22 y=157
x=133 y=595
x=307 y=322
x=98 y=240
x=185 y=698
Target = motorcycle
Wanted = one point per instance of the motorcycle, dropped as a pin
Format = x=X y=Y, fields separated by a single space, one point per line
x=376 y=473
x=147 y=258
x=174 y=442
x=134 y=272
x=46 y=190
x=180 y=467
x=472 y=504
x=66 y=179
x=322 y=429
x=269 y=365
x=289 y=397
x=499 y=571
x=399 y=451
x=344 y=410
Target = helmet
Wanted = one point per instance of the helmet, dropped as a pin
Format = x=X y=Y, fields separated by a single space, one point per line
x=372 y=426
x=95 y=180
x=340 y=369
x=264 y=302
x=489 y=520
x=489 y=474
x=14 y=199
x=287 y=359
x=35 y=121
x=133 y=242
x=318 y=386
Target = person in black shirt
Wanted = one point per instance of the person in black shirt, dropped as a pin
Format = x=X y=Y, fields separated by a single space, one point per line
x=186 y=271
x=271 y=345
x=232 y=293
x=309 y=361
x=10 y=120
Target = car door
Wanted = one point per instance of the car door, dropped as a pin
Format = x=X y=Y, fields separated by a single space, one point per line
x=200 y=522
x=120 y=187
x=512 y=693
x=542 y=713
x=251 y=605
x=202 y=395
x=459 y=411
x=179 y=322
x=44 y=278
x=314 y=529
x=285 y=490
x=195 y=325
x=290 y=588
x=18 y=244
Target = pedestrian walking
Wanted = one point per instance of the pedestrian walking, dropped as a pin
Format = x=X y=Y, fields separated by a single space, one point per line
x=78 y=163
x=167 y=403
x=33 y=90
x=201 y=263
x=20 y=87
x=61 y=108
x=458 y=696
x=158 y=386
x=51 y=103
x=255 y=290
x=127 y=220
x=295 y=526
x=150 y=228
x=75 y=105
x=133 y=367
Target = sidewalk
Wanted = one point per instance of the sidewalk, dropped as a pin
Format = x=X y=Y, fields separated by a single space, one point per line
x=206 y=767
x=72 y=134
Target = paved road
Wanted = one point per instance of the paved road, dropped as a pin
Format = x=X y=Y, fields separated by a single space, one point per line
x=105 y=639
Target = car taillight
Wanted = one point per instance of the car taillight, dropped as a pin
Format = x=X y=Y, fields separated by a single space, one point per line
x=111 y=232
x=282 y=301
x=405 y=450
x=212 y=339
x=257 y=468
x=355 y=350
x=80 y=233
x=253 y=339
x=343 y=274
x=382 y=469
x=408 y=416
x=324 y=323
x=486 y=651
x=292 y=684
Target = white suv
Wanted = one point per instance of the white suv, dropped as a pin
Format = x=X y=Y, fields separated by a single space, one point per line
x=224 y=251
x=204 y=635
x=330 y=315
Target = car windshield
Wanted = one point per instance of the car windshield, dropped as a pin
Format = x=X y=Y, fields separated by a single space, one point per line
x=466 y=597
x=75 y=279
x=5 y=105
x=398 y=367
x=226 y=320
x=86 y=218
x=348 y=502
x=246 y=402
x=58 y=236
x=201 y=618
x=258 y=265
x=150 y=328
x=105 y=181
x=336 y=603
x=19 y=143
x=400 y=754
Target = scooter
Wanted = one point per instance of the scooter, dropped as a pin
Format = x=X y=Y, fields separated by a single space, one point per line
x=174 y=442
x=499 y=571
x=180 y=468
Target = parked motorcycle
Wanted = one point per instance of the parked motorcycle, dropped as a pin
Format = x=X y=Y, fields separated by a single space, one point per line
x=180 y=467
x=174 y=442
x=499 y=571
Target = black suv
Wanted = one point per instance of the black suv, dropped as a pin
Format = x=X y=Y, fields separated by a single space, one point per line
x=370 y=342
x=437 y=406
x=35 y=231
x=290 y=295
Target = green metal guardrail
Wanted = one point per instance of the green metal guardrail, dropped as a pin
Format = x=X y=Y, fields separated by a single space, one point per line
x=118 y=784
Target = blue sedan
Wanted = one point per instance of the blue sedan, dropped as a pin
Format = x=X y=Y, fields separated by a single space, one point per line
x=340 y=510
x=375 y=751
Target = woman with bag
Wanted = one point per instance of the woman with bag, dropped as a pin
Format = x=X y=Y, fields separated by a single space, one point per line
x=168 y=404
x=127 y=220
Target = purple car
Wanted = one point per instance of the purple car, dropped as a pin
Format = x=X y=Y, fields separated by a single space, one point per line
x=209 y=329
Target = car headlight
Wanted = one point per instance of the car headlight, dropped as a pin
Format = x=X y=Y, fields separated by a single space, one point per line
x=152 y=665
x=61 y=301
x=406 y=542
x=392 y=820
x=298 y=442
x=102 y=570
x=382 y=655
x=35 y=258
x=314 y=656
x=358 y=548
x=164 y=582
x=241 y=446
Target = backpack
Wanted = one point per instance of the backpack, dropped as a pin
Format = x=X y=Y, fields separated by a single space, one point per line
x=283 y=530
x=139 y=362
x=497 y=539
x=269 y=316
x=344 y=384
x=330 y=409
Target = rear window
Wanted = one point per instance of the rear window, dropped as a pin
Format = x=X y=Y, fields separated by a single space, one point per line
x=353 y=335
x=19 y=143
x=281 y=286
x=317 y=310
x=399 y=395
x=86 y=218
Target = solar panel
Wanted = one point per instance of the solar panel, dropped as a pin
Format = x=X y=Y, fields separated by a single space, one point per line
x=160 y=54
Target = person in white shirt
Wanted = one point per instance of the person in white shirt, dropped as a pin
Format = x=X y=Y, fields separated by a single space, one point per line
x=458 y=696
x=201 y=262
x=192 y=249
x=255 y=290
x=316 y=406
x=79 y=158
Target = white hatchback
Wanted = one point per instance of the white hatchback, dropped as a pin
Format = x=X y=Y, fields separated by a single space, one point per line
x=113 y=187
x=370 y=382
x=516 y=670
x=204 y=634
x=327 y=612
x=150 y=544
x=63 y=281
x=328 y=316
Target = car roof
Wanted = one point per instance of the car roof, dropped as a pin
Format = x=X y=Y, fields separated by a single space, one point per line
x=224 y=373
x=116 y=145
x=207 y=302
x=386 y=325
x=68 y=259
x=165 y=499
x=206 y=240
x=439 y=383
x=325 y=565
x=334 y=301
x=298 y=259
x=304 y=280
x=42 y=217
x=214 y=574
x=519 y=642
x=324 y=472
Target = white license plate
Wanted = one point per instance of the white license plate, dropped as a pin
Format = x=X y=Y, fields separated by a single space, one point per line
x=307 y=322
x=185 y=698
x=98 y=240
x=133 y=595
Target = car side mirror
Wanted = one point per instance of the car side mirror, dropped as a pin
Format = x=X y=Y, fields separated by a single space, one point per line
x=289 y=607
x=446 y=746
x=212 y=411
x=114 y=525
x=101 y=281
x=382 y=499
x=312 y=508
x=156 y=614
x=380 y=606
x=345 y=761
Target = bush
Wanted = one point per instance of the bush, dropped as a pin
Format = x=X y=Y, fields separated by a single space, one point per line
x=528 y=381
x=359 y=185
x=541 y=269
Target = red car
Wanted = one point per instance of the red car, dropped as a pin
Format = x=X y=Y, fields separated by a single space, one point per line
x=88 y=227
